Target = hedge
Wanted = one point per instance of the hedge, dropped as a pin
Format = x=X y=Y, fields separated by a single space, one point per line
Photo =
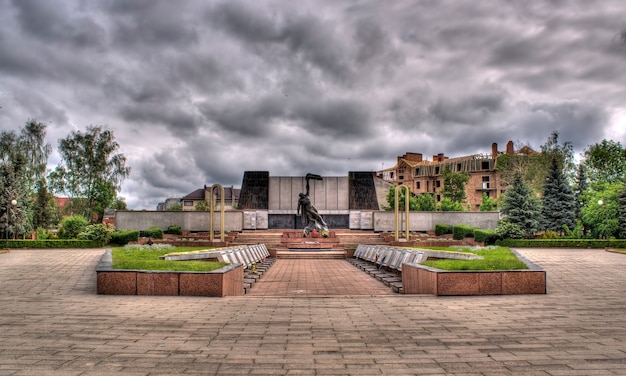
x=443 y=229
x=174 y=230
x=489 y=237
x=52 y=243
x=463 y=231
x=565 y=243
x=124 y=237
x=154 y=232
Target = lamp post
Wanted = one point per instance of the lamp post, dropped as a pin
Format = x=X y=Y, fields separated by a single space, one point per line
x=606 y=222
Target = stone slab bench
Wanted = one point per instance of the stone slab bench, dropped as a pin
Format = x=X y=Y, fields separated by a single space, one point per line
x=246 y=255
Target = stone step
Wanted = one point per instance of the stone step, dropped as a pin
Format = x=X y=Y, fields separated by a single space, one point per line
x=316 y=254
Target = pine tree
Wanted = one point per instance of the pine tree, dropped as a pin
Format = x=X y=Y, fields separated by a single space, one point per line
x=521 y=208
x=582 y=185
x=559 y=202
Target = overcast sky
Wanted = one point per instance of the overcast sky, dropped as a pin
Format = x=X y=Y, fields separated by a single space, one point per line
x=197 y=92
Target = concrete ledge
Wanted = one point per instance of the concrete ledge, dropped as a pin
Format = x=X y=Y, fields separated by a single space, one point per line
x=226 y=281
x=420 y=279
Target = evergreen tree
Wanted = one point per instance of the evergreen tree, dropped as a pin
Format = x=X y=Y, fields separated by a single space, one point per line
x=521 y=208
x=622 y=214
x=581 y=187
x=559 y=205
x=42 y=213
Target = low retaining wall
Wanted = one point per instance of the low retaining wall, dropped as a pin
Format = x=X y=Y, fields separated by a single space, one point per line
x=420 y=279
x=226 y=281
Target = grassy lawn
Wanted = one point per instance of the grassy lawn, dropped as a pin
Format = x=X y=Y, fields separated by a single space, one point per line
x=148 y=259
x=498 y=258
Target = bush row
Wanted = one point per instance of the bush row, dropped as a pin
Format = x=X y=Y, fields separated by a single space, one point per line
x=53 y=243
x=566 y=243
x=123 y=237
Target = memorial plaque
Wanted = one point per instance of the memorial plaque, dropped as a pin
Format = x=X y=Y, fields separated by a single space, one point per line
x=355 y=220
x=249 y=220
x=367 y=220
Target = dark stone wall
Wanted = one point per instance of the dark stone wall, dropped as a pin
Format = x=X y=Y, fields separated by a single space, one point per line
x=293 y=222
x=254 y=190
x=362 y=191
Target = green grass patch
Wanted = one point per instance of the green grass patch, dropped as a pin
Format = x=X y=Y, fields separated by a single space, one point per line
x=148 y=259
x=496 y=258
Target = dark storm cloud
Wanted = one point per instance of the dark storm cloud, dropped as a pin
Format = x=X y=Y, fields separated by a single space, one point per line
x=198 y=92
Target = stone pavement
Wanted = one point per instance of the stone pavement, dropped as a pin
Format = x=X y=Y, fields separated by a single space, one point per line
x=53 y=323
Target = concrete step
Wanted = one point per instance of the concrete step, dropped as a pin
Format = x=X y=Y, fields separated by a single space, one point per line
x=317 y=254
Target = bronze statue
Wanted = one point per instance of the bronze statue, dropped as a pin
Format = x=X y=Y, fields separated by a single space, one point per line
x=309 y=215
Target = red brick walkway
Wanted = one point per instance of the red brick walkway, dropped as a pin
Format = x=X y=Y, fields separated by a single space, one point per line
x=292 y=277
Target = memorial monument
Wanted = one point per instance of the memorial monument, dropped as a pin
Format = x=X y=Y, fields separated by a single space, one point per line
x=309 y=215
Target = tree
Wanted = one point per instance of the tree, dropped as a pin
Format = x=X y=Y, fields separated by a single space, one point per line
x=391 y=199
x=447 y=204
x=602 y=219
x=91 y=171
x=621 y=232
x=558 y=201
x=454 y=185
x=43 y=208
x=202 y=206
x=487 y=203
x=581 y=187
x=521 y=208
x=426 y=202
x=605 y=162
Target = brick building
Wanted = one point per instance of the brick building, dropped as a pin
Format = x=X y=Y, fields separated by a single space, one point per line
x=424 y=176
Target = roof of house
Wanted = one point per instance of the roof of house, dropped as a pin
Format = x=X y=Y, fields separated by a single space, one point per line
x=229 y=194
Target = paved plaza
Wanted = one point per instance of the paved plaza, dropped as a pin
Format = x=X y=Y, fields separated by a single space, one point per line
x=300 y=319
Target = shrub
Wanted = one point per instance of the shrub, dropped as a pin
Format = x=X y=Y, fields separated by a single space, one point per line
x=508 y=230
x=549 y=234
x=567 y=243
x=463 y=231
x=124 y=237
x=174 y=230
x=42 y=234
x=72 y=226
x=154 y=232
x=442 y=229
x=99 y=233
x=489 y=237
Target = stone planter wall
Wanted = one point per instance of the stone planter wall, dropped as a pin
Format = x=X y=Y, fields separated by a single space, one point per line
x=420 y=279
x=226 y=281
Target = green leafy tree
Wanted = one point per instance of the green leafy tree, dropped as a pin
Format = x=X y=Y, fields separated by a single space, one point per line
x=202 y=205
x=72 y=226
x=521 y=208
x=605 y=162
x=621 y=233
x=391 y=199
x=176 y=207
x=558 y=201
x=426 y=202
x=487 y=203
x=447 y=204
x=119 y=204
x=600 y=214
x=454 y=185
x=92 y=170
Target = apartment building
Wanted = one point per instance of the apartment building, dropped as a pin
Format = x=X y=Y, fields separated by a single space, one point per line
x=424 y=176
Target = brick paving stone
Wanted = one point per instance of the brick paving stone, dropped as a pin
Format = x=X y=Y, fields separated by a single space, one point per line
x=311 y=318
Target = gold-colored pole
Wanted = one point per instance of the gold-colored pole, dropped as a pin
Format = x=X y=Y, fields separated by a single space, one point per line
x=407 y=194
x=212 y=210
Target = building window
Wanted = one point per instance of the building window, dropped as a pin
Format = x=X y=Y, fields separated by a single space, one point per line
x=485 y=165
x=188 y=203
x=437 y=170
x=417 y=171
x=401 y=177
x=438 y=198
x=438 y=183
x=458 y=167
x=485 y=182
x=419 y=185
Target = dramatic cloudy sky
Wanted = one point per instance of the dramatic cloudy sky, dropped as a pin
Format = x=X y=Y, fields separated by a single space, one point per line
x=197 y=92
